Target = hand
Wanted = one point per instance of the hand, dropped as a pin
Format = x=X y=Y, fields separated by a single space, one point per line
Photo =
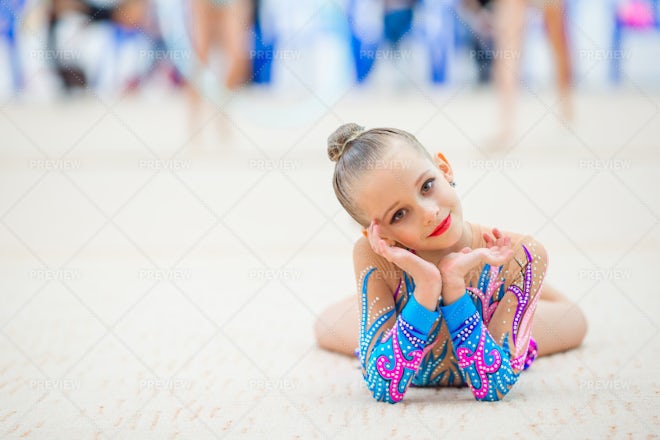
x=498 y=240
x=427 y=276
x=454 y=267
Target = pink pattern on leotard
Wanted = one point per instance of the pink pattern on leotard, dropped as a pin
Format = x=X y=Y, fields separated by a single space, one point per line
x=487 y=309
x=467 y=358
x=395 y=374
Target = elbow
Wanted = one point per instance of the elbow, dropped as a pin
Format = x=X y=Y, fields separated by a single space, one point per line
x=379 y=390
x=492 y=397
x=495 y=396
x=384 y=398
x=379 y=394
x=496 y=388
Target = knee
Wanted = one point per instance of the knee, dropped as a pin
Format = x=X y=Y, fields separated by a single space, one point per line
x=325 y=335
x=576 y=323
x=320 y=332
x=581 y=325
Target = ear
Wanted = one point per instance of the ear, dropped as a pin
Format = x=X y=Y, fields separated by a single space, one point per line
x=442 y=163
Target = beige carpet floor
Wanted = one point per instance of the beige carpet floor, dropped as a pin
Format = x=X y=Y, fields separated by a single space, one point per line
x=155 y=287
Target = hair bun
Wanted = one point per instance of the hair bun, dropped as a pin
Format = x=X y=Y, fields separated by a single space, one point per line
x=338 y=140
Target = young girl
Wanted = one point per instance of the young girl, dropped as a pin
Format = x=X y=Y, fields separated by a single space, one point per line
x=442 y=302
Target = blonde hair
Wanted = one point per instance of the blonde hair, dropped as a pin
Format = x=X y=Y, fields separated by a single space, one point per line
x=355 y=150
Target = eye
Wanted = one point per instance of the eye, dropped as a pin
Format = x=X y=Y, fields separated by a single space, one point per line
x=426 y=186
x=396 y=217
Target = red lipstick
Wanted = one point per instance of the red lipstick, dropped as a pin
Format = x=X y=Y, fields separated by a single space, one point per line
x=442 y=227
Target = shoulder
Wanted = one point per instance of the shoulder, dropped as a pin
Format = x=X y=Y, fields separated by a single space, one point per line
x=527 y=250
x=528 y=246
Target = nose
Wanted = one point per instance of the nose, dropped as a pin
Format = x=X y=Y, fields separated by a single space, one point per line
x=430 y=213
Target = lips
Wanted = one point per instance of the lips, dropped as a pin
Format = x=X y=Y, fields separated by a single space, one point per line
x=442 y=227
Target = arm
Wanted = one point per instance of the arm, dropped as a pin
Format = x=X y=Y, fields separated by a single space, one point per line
x=490 y=325
x=391 y=346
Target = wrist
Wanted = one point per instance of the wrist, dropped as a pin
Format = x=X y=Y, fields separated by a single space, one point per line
x=428 y=296
x=452 y=290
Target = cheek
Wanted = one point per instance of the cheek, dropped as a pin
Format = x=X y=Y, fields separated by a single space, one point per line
x=449 y=198
x=408 y=236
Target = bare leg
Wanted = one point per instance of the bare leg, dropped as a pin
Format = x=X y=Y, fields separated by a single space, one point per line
x=232 y=31
x=227 y=24
x=509 y=28
x=235 y=21
x=556 y=28
x=559 y=324
x=338 y=327
x=201 y=39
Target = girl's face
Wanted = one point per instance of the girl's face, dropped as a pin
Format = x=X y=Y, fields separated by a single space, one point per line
x=410 y=197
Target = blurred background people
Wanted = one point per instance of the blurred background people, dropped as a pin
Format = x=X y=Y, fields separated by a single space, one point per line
x=220 y=27
x=509 y=27
x=114 y=46
x=478 y=15
x=498 y=31
x=101 y=43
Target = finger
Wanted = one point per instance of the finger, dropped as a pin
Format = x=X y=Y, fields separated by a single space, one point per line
x=404 y=259
x=380 y=243
x=497 y=233
x=504 y=240
x=375 y=235
x=370 y=236
x=498 y=256
x=374 y=238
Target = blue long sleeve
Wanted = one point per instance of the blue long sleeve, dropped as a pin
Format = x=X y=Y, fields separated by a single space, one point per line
x=398 y=351
x=486 y=365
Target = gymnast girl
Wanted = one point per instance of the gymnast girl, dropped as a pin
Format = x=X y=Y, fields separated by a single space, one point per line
x=441 y=301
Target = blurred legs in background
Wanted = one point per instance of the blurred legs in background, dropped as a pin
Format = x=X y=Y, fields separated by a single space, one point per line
x=225 y=23
x=509 y=32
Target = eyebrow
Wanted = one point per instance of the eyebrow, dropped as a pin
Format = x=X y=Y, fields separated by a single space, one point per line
x=397 y=202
